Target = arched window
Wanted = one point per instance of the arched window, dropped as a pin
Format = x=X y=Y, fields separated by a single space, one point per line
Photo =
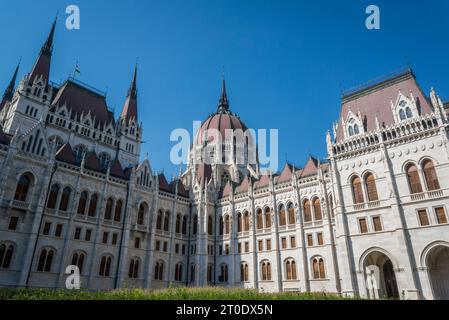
x=402 y=114
x=78 y=260
x=239 y=222
x=23 y=186
x=210 y=270
x=408 y=112
x=93 y=205
x=267 y=218
x=331 y=205
x=141 y=215
x=195 y=224
x=45 y=260
x=404 y=111
x=291 y=214
x=133 y=268
x=184 y=224
x=430 y=175
x=246 y=221
x=105 y=266
x=259 y=219
x=413 y=179
x=282 y=216
x=318 y=268
x=221 y=226
x=370 y=185
x=159 y=220
x=192 y=272
x=224 y=273
x=357 y=190
x=118 y=211
x=178 y=223
x=244 y=272
x=82 y=203
x=210 y=228
x=266 y=271
x=6 y=252
x=290 y=269
x=104 y=159
x=159 y=271
x=178 y=272
x=317 y=209
x=307 y=211
x=65 y=198
x=108 y=210
x=356 y=129
x=79 y=151
x=53 y=196
x=167 y=221
x=227 y=224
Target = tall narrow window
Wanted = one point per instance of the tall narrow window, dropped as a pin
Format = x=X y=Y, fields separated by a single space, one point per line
x=221 y=226
x=210 y=229
x=118 y=211
x=357 y=190
x=167 y=221
x=53 y=196
x=363 y=226
x=267 y=218
x=108 y=210
x=82 y=203
x=23 y=186
x=105 y=266
x=178 y=223
x=259 y=219
x=441 y=215
x=45 y=260
x=317 y=209
x=377 y=223
x=413 y=179
x=65 y=198
x=159 y=220
x=331 y=205
x=93 y=205
x=78 y=260
x=282 y=216
x=307 y=211
x=431 y=176
x=318 y=268
x=133 y=268
x=246 y=221
x=141 y=215
x=184 y=224
x=370 y=185
x=423 y=218
x=291 y=214
x=239 y=222
x=6 y=252
x=227 y=224
x=195 y=224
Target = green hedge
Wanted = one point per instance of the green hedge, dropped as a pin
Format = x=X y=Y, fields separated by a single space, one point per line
x=180 y=293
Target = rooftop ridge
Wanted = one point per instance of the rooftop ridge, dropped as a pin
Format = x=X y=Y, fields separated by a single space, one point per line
x=87 y=87
x=375 y=83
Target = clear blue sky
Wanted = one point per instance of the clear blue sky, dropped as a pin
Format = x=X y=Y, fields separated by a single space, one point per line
x=285 y=61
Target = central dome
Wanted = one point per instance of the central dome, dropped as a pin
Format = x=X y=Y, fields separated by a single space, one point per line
x=220 y=121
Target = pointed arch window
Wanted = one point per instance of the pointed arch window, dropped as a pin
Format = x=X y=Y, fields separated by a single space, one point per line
x=118 y=211
x=82 y=203
x=317 y=209
x=93 y=205
x=318 y=268
x=259 y=219
x=178 y=223
x=159 y=271
x=167 y=221
x=159 y=220
x=370 y=185
x=307 y=211
x=290 y=269
x=22 y=188
x=141 y=215
x=430 y=175
x=239 y=222
x=282 y=216
x=227 y=224
x=405 y=112
x=267 y=218
x=65 y=198
x=178 y=272
x=266 y=271
x=224 y=273
x=413 y=179
x=210 y=228
x=133 y=271
x=78 y=260
x=105 y=266
x=210 y=267
x=246 y=221
x=45 y=260
x=184 y=224
x=244 y=272
x=53 y=196
x=357 y=190
x=108 y=210
x=291 y=214
x=6 y=253
x=195 y=224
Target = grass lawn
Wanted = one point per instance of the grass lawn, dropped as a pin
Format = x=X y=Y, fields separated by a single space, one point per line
x=165 y=294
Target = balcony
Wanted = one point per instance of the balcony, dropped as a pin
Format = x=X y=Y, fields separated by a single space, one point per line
x=428 y=195
x=21 y=205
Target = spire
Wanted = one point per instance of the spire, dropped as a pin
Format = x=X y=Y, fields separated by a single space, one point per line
x=42 y=65
x=9 y=92
x=223 y=104
x=130 y=106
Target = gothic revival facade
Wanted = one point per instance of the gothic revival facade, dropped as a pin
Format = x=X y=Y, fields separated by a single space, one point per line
x=370 y=220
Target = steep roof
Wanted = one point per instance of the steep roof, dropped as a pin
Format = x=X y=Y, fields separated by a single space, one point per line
x=129 y=110
x=82 y=100
x=375 y=100
x=117 y=170
x=286 y=174
x=9 y=92
x=4 y=139
x=92 y=162
x=65 y=154
x=243 y=187
x=163 y=184
x=42 y=65
x=311 y=167
x=262 y=182
x=203 y=172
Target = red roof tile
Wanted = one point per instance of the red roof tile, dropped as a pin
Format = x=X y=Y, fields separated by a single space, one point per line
x=92 y=162
x=263 y=181
x=243 y=187
x=117 y=170
x=65 y=154
x=163 y=184
x=311 y=167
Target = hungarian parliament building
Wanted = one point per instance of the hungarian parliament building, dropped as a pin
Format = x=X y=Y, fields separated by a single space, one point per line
x=370 y=220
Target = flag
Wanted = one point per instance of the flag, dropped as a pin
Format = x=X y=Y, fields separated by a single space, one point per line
x=77 y=69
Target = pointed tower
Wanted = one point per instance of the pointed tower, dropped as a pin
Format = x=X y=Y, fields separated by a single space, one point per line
x=129 y=110
x=131 y=131
x=9 y=92
x=41 y=68
x=223 y=104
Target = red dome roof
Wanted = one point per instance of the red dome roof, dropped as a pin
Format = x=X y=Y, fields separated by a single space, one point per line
x=220 y=122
